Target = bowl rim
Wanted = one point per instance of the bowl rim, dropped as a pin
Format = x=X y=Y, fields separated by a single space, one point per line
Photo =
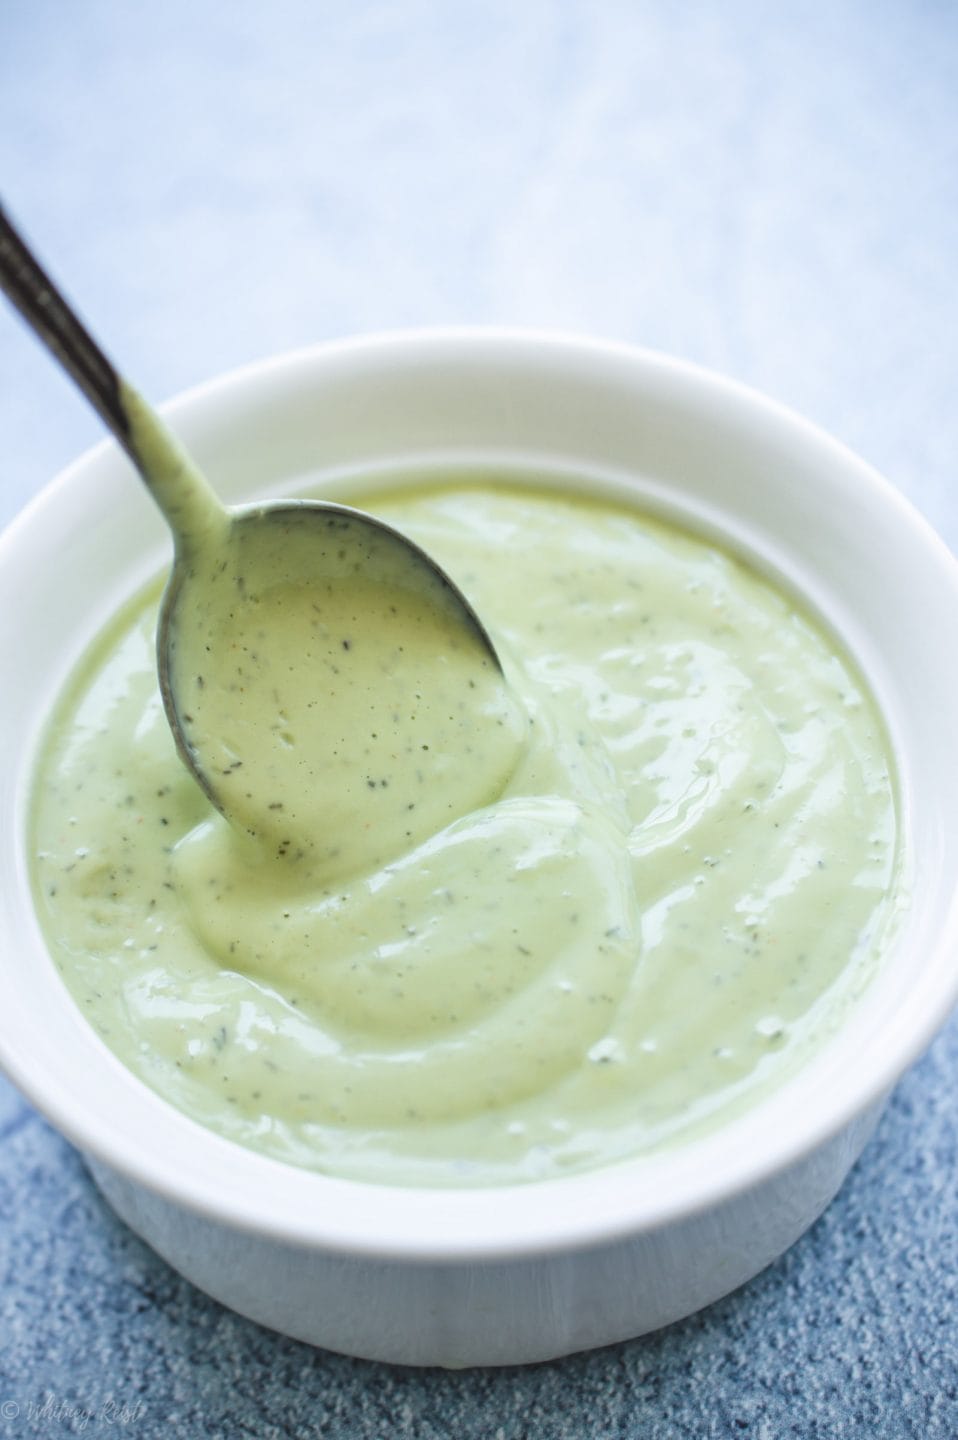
x=594 y=1207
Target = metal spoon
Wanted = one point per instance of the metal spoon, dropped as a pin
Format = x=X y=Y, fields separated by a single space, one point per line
x=266 y=561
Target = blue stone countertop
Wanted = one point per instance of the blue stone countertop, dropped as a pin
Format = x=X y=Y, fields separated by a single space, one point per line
x=770 y=190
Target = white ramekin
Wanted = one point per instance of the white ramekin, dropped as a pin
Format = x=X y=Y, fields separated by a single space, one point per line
x=524 y=1273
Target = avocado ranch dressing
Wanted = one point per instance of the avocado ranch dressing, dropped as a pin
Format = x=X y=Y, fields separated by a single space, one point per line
x=690 y=874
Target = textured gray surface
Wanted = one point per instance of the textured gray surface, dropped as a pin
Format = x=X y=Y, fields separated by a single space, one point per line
x=770 y=190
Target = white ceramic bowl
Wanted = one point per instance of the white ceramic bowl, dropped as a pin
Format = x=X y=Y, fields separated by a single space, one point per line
x=493 y=1276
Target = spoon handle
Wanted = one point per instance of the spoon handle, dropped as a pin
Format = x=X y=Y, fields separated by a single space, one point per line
x=181 y=491
x=31 y=291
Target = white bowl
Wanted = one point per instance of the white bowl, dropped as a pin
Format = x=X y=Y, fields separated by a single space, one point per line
x=494 y=1276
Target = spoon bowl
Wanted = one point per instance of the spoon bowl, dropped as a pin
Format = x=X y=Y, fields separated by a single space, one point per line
x=327 y=692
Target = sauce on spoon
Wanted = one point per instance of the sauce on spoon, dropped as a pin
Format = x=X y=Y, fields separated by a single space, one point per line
x=328 y=686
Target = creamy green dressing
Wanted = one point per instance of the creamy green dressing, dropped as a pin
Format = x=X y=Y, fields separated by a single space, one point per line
x=688 y=876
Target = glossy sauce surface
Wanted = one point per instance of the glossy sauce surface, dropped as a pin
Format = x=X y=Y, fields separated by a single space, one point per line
x=690 y=874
